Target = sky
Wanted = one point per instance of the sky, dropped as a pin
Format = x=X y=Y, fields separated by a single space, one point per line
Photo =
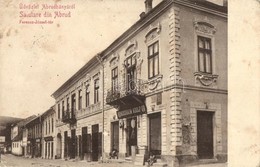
x=35 y=60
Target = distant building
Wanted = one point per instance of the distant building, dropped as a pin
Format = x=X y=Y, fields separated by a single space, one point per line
x=2 y=144
x=48 y=134
x=79 y=114
x=34 y=138
x=18 y=137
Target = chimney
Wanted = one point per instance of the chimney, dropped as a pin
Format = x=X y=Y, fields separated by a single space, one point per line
x=148 y=5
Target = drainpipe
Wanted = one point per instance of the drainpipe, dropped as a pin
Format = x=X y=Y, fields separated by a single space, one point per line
x=103 y=105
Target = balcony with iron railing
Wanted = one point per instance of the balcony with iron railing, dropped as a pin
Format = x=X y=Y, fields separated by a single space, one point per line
x=126 y=94
x=69 y=116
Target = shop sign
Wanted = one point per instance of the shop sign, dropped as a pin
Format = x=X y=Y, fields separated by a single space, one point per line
x=131 y=111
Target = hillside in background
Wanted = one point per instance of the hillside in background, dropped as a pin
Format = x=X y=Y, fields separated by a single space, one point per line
x=4 y=120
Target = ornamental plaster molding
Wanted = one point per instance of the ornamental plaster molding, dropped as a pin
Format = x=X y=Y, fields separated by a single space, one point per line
x=152 y=32
x=205 y=79
x=203 y=26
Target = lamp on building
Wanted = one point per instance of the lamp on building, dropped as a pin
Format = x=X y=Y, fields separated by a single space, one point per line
x=133 y=123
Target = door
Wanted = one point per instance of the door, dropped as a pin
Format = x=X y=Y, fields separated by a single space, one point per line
x=84 y=141
x=205 y=134
x=131 y=139
x=95 y=142
x=73 y=144
x=115 y=136
x=155 y=134
x=59 y=146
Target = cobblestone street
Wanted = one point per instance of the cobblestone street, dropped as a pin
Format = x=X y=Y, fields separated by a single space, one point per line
x=9 y=160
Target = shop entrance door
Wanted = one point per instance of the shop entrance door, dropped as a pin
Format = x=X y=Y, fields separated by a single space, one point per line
x=95 y=142
x=155 y=133
x=73 y=144
x=131 y=139
x=205 y=134
x=115 y=136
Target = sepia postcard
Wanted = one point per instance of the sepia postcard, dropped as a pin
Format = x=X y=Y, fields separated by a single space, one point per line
x=164 y=83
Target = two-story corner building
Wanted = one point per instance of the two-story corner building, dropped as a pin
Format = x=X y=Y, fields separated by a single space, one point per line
x=79 y=115
x=48 y=133
x=166 y=78
x=34 y=138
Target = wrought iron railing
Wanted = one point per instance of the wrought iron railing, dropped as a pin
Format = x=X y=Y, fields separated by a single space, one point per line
x=133 y=87
x=69 y=116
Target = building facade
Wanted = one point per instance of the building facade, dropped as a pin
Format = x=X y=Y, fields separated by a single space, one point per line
x=166 y=82
x=34 y=138
x=78 y=108
x=16 y=137
x=160 y=88
x=48 y=134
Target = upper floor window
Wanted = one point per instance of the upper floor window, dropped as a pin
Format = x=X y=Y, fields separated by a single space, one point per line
x=87 y=96
x=204 y=55
x=96 y=91
x=73 y=102
x=63 y=108
x=114 y=78
x=80 y=99
x=49 y=126
x=68 y=103
x=52 y=126
x=153 y=59
x=58 y=111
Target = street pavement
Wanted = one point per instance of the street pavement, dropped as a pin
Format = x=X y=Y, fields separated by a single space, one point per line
x=8 y=160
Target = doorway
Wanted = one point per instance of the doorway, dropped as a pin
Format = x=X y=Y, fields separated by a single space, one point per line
x=205 y=134
x=73 y=144
x=59 y=146
x=131 y=138
x=115 y=135
x=95 y=142
x=155 y=134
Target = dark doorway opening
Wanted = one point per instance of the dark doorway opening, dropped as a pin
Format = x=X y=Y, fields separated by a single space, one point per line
x=65 y=144
x=115 y=136
x=84 y=142
x=205 y=134
x=73 y=144
x=95 y=142
x=155 y=134
x=131 y=138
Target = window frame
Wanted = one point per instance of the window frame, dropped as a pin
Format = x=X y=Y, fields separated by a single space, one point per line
x=80 y=99
x=96 y=90
x=204 y=51
x=152 y=57
x=87 y=99
x=114 y=79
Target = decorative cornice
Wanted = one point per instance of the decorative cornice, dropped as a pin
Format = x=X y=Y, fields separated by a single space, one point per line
x=131 y=47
